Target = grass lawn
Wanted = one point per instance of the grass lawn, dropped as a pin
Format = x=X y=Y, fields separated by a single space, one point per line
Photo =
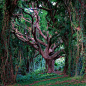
x=52 y=80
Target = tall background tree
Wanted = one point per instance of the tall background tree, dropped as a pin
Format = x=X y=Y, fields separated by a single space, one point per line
x=7 y=74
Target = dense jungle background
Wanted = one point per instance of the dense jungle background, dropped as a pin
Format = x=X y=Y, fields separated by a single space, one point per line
x=42 y=42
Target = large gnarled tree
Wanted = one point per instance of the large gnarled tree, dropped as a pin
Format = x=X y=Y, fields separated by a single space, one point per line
x=30 y=36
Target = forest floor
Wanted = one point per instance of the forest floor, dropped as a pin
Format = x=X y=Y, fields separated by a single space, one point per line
x=54 y=79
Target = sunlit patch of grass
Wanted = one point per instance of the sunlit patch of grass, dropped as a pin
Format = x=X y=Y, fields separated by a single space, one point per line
x=76 y=78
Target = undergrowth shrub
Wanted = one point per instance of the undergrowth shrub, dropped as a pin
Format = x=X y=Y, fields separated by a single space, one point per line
x=34 y=76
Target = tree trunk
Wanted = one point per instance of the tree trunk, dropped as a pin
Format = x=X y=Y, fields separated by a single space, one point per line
x=27 y=66
x=50 y=65
x=66 y=57
x=6 y=56
x=66 y=64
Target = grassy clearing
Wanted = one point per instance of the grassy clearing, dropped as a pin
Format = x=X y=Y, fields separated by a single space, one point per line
x=51 y=80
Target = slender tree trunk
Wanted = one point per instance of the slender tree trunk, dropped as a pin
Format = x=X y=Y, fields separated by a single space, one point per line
x=66 y=57
x=85 y=65
x=66 y=64
x=27 y=66
x=5 y=43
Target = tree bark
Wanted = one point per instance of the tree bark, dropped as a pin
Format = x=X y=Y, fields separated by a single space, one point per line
x=50 y=65
x=27 y=66
x=7 y=75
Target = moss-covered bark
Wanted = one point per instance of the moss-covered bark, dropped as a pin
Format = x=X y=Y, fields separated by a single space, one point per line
x=7 y=75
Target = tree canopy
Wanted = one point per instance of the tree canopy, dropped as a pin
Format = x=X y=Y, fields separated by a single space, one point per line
x=49 y=29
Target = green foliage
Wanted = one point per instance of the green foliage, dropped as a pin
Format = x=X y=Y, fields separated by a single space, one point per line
x=22 y=67
x=77 y=78
x=21 y=78
x=59 y=63
x=62 y=25
x=52 y=79
x=34 y=76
